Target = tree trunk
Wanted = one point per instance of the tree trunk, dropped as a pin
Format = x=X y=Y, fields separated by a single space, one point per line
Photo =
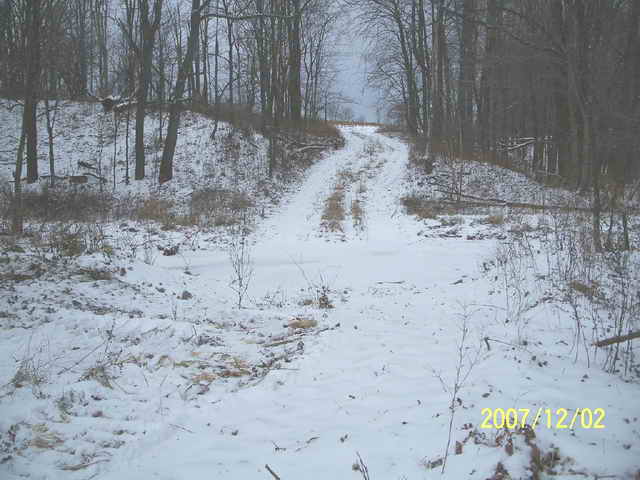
x=295 y=95
x=147 y=32
x=466 y=84
x=32 y=81
x=18 y=220
x=50 y=125
x=166 y=164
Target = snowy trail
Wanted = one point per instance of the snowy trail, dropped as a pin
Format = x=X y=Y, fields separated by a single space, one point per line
x=371 y=385
x=352 y=383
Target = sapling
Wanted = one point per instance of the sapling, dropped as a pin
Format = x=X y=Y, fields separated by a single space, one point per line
x=241 y=263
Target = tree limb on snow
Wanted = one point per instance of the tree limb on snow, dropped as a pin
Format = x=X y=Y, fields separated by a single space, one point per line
x=273 y=474
x=617 y=339
x=505 y=203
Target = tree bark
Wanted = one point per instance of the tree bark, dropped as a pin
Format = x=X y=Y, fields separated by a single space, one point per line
x=295 y=95
x=166 y=164
x=32 y=81
x=18 y=220
x=466 y=85
x=148 y=31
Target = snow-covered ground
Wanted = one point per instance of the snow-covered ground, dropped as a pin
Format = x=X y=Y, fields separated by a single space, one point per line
x=151 y=371
x=93 y=143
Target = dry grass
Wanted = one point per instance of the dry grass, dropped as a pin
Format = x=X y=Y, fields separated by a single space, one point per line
x=419 y=206
x=59 y=204
x=391 y=130
x=158 y=210
x=586 y=290
x=45 y=439
x=205 y=377
x=359 y=124
x=357 y=213
x=452 y=221
x=245 y=119
x=99 y=374
x=493 y=220
x=319 y=128
x=28 y=373
x=204 y=201
x=154 y=209
x=303 y=323
x=333 y=214
x=220 y=207
x=334 y=207
x=346 y=177
x=426 y=208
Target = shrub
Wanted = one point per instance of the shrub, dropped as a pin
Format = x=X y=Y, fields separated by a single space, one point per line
x=419 y=206
x=154 y=209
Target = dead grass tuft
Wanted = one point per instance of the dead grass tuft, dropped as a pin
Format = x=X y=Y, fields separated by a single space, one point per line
x=96 y=274
x=63 y=204
x=205 y=377
x=493 y=220
x=419 y=206
x=333 y=214
x=357 y=213
x=452 y=221
x=302 y=323
x=586 y=290
x=99 y=374
x=220 y=207
x=45 y=439
x=28 y=373
x=346 y=177
x=154 y=209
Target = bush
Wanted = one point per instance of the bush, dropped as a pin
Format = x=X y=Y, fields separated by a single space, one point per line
x=220 y=207
x=154 y=209
x=419 y=206
x=59 y=204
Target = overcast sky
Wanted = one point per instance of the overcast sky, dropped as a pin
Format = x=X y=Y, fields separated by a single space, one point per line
x=352 y=79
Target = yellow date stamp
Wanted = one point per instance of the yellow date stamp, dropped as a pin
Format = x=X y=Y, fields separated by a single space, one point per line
x=559 y=419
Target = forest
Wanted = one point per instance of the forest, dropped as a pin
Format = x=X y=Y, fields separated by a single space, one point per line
x=479 y=77
x=316 y=239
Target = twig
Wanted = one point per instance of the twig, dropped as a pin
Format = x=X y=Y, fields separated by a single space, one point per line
x=65 y=370
x=181 y=428
x=82 y=466
x=362 y=468
x=273 y=474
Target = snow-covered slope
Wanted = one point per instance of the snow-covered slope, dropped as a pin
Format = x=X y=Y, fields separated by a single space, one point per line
x=348 y=348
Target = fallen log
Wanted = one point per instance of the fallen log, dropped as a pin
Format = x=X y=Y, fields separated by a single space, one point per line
x=505 y=203
x=617 y=339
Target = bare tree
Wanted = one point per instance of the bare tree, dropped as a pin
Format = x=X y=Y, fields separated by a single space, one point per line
x=148 y=29
x=32 y=82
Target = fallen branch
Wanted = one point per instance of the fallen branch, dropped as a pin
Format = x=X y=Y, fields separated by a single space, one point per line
x=181 y=428
x=497 y=202
x=310 y=147
x=361 y=467
x=515 y=147
x=617 y=339
x=273 y=474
